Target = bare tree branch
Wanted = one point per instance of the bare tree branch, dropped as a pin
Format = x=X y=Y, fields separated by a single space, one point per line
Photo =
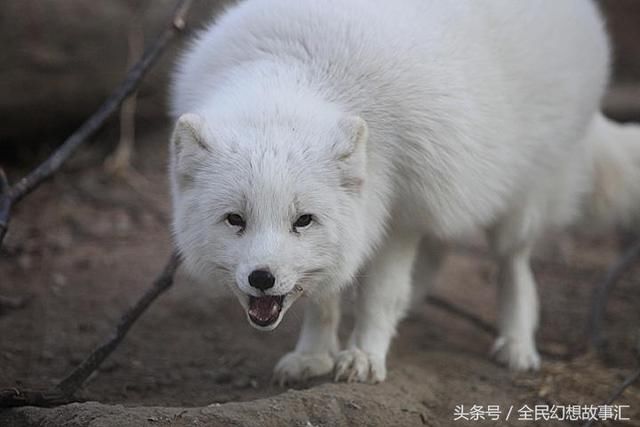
x=11 y=196
x=473 y=319
x=5 y=205
x=465 y=315
x=65 y=390
x=595 y=323
x=119 y=161
x=635 y=375
x=163 y=282
x=12 y=397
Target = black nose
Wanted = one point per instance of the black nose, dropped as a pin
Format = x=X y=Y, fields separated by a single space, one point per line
x=261 y=279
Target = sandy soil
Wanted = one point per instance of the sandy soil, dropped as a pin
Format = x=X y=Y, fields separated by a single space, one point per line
x=85 y=246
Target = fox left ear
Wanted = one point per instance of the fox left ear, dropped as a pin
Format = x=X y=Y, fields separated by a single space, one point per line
x=350 y=150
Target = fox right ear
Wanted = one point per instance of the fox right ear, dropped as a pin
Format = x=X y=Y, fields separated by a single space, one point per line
x=187 y=146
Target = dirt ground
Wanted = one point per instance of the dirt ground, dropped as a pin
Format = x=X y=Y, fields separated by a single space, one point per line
x=86 y=245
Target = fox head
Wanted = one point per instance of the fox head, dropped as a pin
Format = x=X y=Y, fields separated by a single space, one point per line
x=269 y=208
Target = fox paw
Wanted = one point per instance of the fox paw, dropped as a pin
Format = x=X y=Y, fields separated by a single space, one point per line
x=518 y=355
x=354 y=365
x=299 y=367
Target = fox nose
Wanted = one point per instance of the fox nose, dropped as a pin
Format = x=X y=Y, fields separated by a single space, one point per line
x=261 y=279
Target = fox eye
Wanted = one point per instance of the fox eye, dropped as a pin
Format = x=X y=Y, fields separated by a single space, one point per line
x=303 y=221
x=235 y=220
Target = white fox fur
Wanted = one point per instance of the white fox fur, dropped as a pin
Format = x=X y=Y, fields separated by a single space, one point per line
x=390 y=122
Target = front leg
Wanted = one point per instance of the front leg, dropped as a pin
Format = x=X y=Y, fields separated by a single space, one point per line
x=383 y=298
x=317 y=345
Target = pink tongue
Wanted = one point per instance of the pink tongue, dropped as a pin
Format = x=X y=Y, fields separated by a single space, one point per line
x=264 y=309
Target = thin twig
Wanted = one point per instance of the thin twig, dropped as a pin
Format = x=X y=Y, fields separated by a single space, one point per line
x=64 y=391
x=119 y=161
x=473 y=319
x=595 y=324
x=9 y=196
x=457 y=311
x=635 y=375
x=132 y=80
x=5 y=205
x=72 y=382
x=12 y=397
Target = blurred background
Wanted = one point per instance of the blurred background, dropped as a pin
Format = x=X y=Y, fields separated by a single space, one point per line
x=61 y=58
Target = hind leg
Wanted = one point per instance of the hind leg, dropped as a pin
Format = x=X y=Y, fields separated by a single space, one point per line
x=517 y=296
x=430 y=258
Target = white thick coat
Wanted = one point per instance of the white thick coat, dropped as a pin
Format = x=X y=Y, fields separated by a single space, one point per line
x=391 y=121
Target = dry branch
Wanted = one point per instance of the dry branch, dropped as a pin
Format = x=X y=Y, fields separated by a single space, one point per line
x=119 y=162
x=635 y=375
x=163 y=282
x=65 y=390
x=10 y=196
x=618 y=391
x=12 y=397
x=472 y=319
x=595 y=324
x=465 y=315
x=5 y=204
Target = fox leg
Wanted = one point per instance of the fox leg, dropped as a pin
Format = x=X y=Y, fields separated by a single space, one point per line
x=517 y=300
x=430 y=258
x=317 y=344
x=383 y=299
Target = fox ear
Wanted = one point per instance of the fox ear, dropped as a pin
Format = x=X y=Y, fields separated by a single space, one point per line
x=187 y=148
x=350 y=150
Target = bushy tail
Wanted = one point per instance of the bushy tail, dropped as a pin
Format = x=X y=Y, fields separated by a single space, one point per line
x=614 y=199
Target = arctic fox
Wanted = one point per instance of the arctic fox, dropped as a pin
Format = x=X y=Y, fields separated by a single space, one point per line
x=317 y=143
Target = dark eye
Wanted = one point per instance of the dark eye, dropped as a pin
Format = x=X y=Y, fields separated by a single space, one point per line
x=303 y=221
x=235 y=220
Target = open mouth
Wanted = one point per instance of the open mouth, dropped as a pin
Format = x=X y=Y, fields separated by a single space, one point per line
x=265 y=310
